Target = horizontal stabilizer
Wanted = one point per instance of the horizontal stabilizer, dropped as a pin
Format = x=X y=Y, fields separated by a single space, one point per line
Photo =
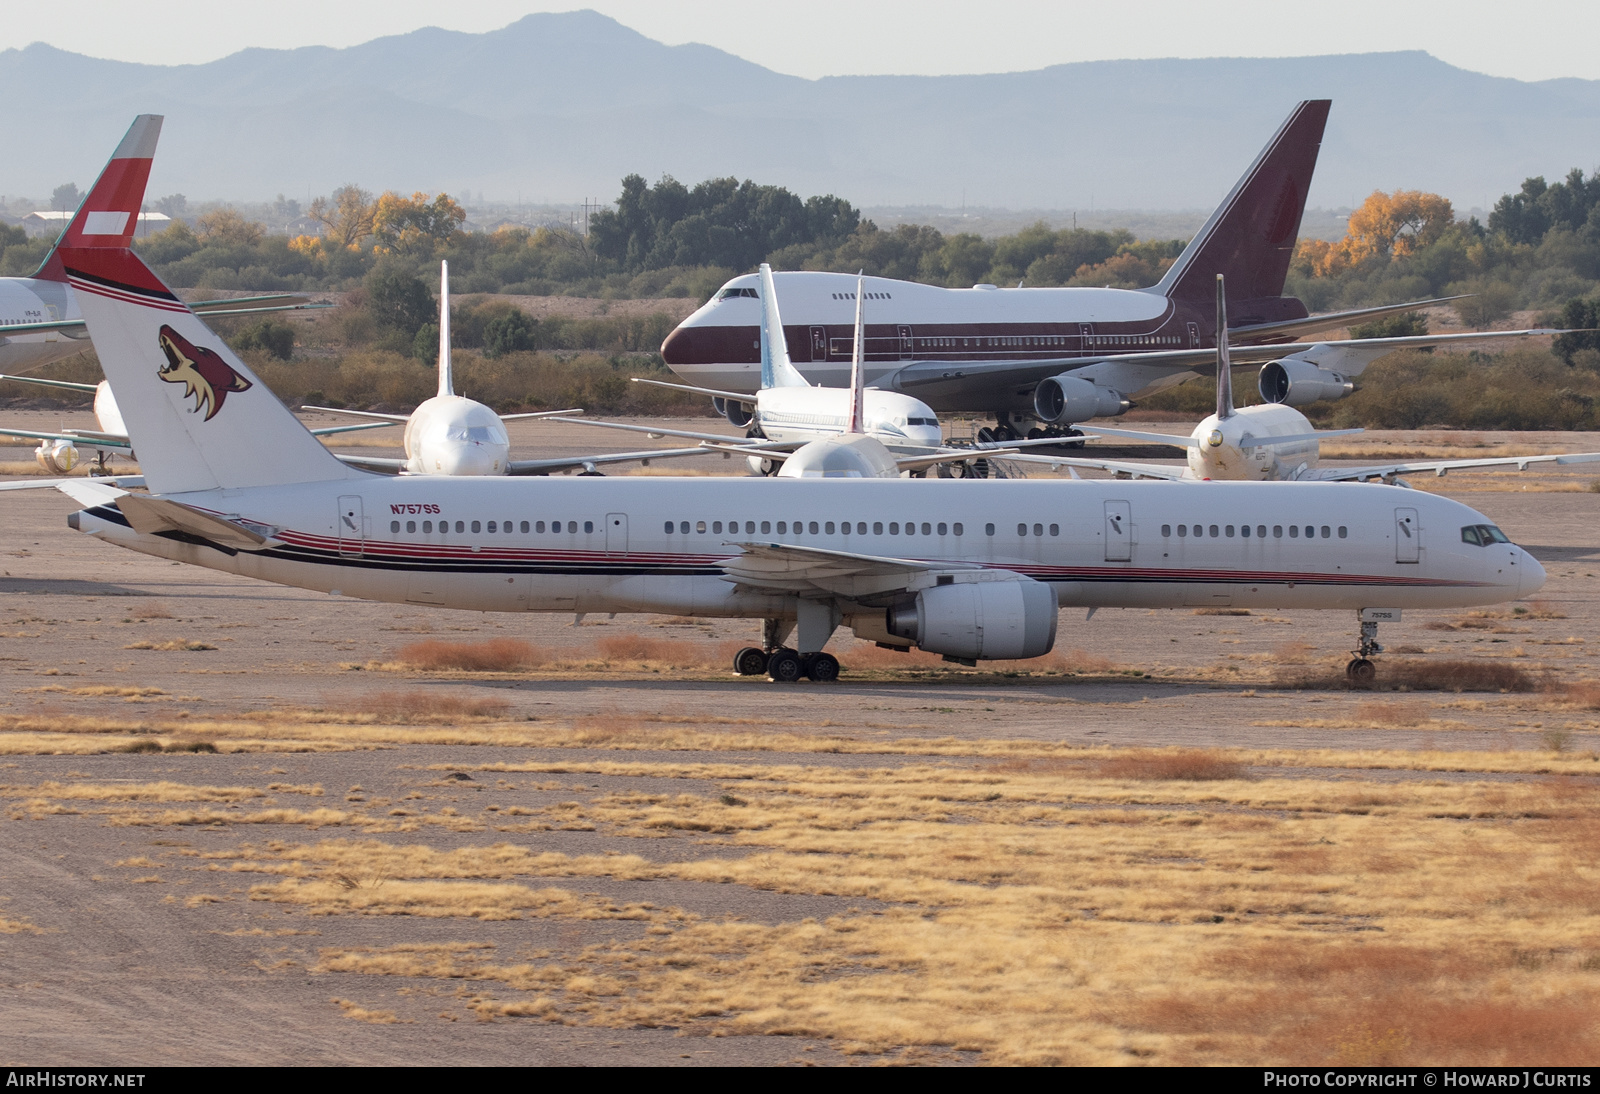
x=150 y=515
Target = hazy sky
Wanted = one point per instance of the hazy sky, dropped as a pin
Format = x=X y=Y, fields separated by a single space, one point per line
x=1531 y=40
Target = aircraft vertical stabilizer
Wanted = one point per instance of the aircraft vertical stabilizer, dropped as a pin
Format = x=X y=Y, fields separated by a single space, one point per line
x=776 y=368
x=858 y=379
x=1251 y=236
x=198 y=417
x=109 y=214
x=447 y=384
x=1224 y=364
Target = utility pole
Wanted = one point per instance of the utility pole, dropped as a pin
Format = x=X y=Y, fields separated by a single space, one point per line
x=596 y=205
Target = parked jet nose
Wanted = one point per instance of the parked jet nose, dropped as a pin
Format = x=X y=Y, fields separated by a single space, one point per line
x=1531 y=574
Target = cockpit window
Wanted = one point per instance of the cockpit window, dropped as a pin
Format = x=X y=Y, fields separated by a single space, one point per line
x=1482 y=535
x=726 y=293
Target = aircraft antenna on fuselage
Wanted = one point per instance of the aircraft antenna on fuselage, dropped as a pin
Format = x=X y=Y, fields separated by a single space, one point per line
x=1224 y=365
x=447 y=384
x=858 y=395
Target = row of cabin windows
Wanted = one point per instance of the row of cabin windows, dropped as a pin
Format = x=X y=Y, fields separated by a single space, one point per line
x=828 y=528
x=1227 y=531
x=818 y=528
x=497 y=526
x=1040 y=340
x=866 y=296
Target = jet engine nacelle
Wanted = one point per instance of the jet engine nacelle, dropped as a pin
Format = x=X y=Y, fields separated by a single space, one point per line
x=977 y=620
x=736 y=412
x=1063 y=400
x=57 y=457
x=1297 y=383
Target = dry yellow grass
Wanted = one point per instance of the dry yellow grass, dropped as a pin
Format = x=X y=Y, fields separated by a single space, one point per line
x=362 y=1014
x=1065 y=911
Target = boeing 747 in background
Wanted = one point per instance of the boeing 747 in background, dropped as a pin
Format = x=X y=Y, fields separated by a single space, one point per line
x=1044 y=359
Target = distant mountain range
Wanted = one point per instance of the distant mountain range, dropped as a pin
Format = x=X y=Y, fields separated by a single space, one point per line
x=558 y=107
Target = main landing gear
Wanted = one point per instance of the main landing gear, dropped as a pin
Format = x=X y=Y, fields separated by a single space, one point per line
x=785 y=665
x=782 y=663
x=1011 y=428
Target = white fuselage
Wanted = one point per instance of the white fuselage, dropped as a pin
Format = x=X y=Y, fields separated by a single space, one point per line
x=800 y=414
x=28 y=300
x=453 y=435
x=655 y=545
x=1221 y=456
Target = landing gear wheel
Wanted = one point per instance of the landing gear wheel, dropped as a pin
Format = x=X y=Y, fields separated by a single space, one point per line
x=1361 y=671
x=784 y=666
x=750 y=661
x=822 y=667
x=1006 y=433
x=986 y=435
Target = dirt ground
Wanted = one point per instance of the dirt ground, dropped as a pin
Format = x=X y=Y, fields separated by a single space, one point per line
x=212 y=907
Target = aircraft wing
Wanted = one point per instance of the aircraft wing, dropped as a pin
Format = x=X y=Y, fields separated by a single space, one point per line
x=1136 y=372
x=42 y=327
x=400 y=419
x=589 y=463
x=788 y=568
x=715 y=393
x=1443 y=467
x=238 y=305
x=380 y=464
x=1173 y=439
x=91 y=440
x=541 y=414
x=243 y=305
x=68 y=384
x=1296 y=328
x=330 y=430
x=654 y=431
x=1121 y=467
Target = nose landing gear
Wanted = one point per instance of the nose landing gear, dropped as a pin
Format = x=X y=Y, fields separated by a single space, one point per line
x=1361 y=671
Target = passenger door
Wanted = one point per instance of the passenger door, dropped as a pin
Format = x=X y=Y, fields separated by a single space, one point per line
x=906 y=343
x=1407 y=536
x=352 y=525
x=616 y=533
x=1119 y=531
x=819 y=343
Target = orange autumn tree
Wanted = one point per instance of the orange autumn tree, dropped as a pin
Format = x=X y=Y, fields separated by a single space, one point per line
x=1386 y=225
x=417 y=224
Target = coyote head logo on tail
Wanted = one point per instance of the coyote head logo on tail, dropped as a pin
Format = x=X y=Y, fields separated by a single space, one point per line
x=206 y=376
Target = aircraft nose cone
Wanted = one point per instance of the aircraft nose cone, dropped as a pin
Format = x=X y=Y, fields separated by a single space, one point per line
x=678 y=348
x=1532 y=575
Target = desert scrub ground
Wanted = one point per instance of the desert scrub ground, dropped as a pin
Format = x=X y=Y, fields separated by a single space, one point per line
x=1007 y=901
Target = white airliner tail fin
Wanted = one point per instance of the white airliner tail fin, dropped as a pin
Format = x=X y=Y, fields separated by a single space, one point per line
x=1224 y=365
x=858 y=394
x=447 y=384
x=776 y=368
x=198 y=417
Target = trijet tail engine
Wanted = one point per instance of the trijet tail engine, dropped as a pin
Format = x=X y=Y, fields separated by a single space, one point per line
x=1066 y=399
